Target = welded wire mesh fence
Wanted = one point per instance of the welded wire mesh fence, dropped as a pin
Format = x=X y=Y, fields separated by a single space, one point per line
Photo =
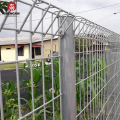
x=82 y=81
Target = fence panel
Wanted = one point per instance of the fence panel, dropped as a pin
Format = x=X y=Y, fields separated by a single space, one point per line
x=80 y=82
x=97 y=71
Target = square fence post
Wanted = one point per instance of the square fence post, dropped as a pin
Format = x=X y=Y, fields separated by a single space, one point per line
x=68 y=80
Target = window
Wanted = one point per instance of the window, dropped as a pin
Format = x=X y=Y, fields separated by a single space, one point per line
x=54 y=51
x=21 y=51
x=8 y=48
x=37 y=51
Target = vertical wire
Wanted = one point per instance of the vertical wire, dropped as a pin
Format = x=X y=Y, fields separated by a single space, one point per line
x=43 y=78
x=99 y=83
x=92 y=79
x=110 y=57
x=99 y=75
x=103 y=78
x=91 y=70
x=95 y=78
x=52 y=67
x=89 y=75
x=75 y=59
x=104 y=83
x=79 y=75
x=118 y=68
x=59 y=22
x=1 y=98
x=31 y=70
x=101 y=72
x=87 y=70
x=17 y=69
x=117 y=101
x=98 y=67
x=94 y=39
x=115 y=76
x=114 y=73
x=83 y=74
x=94 y=70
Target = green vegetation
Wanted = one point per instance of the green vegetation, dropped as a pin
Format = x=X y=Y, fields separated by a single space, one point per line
x=3 y=6
x=86 y=86
x=83 y=43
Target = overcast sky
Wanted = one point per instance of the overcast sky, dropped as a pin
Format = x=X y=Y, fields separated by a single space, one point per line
x=103 y=17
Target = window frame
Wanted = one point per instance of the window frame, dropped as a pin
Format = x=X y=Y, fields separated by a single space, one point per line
x=37 y=51
x=22 y=53
x=8 y=48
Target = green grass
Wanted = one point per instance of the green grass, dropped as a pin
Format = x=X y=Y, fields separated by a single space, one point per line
x=10 y=66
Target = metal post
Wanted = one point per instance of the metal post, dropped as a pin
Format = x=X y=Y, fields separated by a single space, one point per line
x=68 y=72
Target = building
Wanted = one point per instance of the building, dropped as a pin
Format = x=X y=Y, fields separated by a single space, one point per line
x=99 y=43
x=7 y=47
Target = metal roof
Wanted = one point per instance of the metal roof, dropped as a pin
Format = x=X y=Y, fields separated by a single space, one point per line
x=24 y=40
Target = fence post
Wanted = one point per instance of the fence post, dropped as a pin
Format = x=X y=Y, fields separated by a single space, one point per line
x=68 y=80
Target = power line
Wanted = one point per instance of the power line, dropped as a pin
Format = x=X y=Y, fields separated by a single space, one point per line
x=73 y=13
x=106 y=17
x=97 y=8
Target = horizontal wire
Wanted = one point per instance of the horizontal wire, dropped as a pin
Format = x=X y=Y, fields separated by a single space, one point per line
x=113 y=106
x=43 y=58
x=109 y=96
x=99 y=93
x=96 y=72
x=116 y=110
x=40 y=107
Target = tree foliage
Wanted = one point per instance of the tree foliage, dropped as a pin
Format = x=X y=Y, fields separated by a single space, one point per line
x=3 y=6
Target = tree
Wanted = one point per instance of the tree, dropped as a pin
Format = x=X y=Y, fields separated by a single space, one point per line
x=3 y=6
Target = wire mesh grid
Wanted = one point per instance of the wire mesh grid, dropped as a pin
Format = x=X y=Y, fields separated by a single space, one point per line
x=97 y=69
x=53 y=90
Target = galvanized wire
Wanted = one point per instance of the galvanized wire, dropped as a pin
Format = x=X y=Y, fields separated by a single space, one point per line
x=97 y=77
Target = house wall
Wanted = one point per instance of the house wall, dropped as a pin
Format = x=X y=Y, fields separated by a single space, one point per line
x=9 y=54
x=47 y=48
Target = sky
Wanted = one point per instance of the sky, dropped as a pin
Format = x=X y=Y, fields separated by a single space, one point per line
x=104 y=17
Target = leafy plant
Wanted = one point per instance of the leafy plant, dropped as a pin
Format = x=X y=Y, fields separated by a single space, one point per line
x=3 y=6
x=86 y=86
x=91 y=85
x=37 y=80
x=11 y=102
x=83 y=43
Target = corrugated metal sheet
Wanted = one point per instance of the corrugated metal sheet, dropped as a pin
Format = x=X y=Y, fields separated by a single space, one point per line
x=23 y=40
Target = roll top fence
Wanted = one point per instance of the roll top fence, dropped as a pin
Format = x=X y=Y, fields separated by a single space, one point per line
x=82 y=81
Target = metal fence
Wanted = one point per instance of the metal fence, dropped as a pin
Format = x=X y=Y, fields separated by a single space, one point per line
x=84 y=77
